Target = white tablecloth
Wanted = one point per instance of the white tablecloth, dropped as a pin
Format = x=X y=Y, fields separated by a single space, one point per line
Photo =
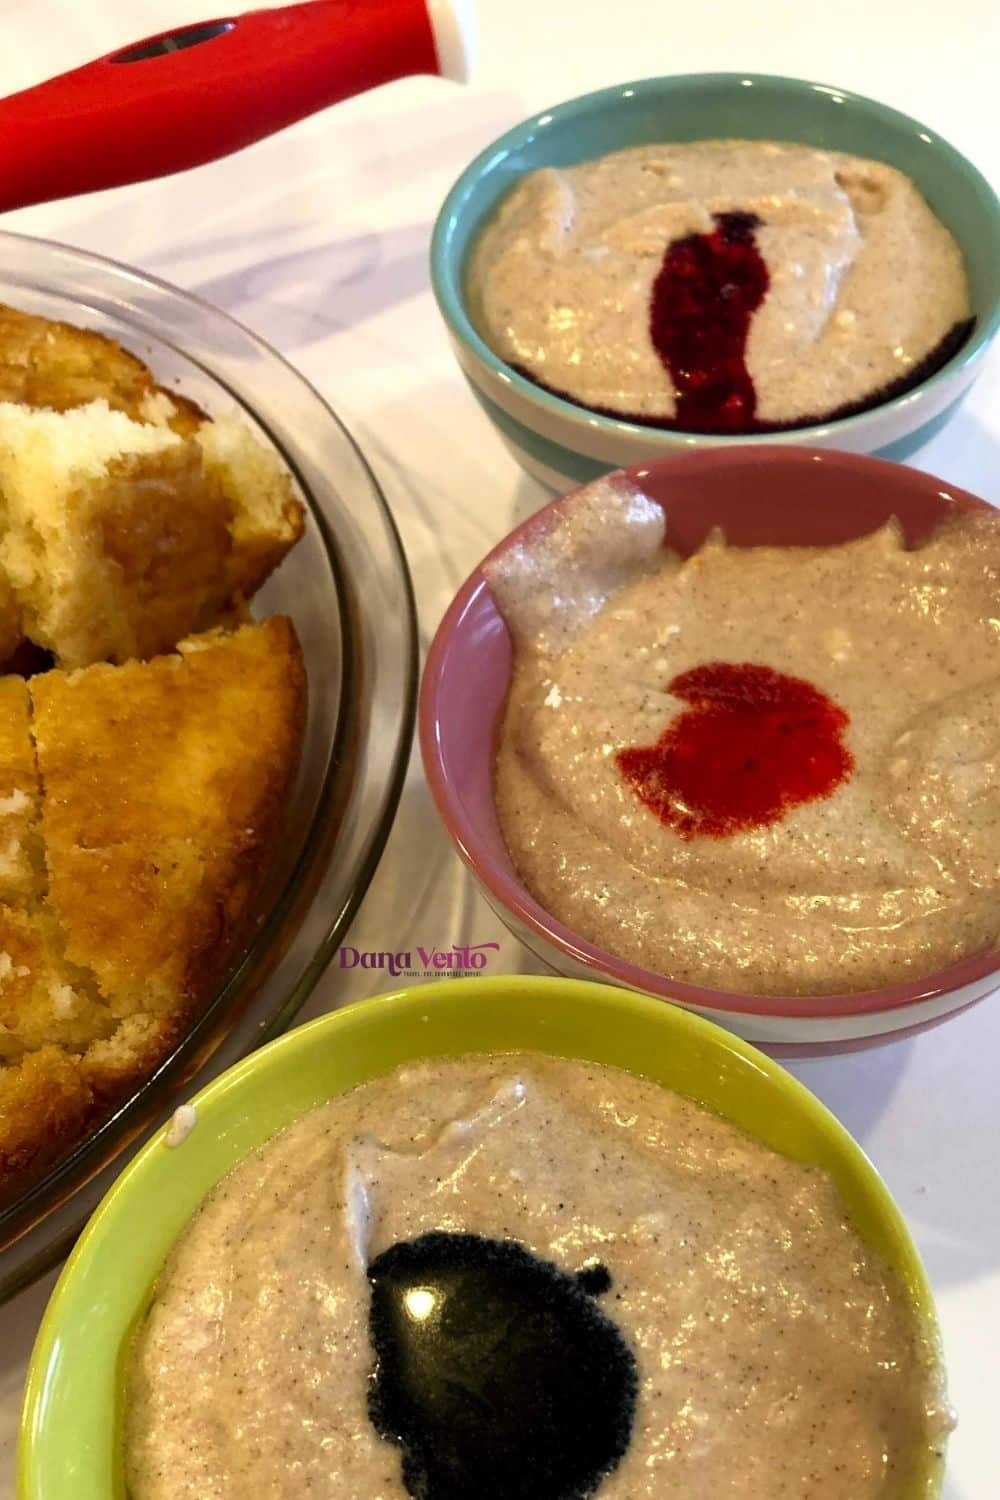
x=318 y=240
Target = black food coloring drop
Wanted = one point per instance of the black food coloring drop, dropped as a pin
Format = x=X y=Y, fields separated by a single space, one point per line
x=496 y=1372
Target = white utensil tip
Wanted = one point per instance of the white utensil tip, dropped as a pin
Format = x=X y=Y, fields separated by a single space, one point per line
x=456 y=37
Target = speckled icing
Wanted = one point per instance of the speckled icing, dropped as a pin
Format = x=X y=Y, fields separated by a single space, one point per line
x=864 y=281
x=776 y=1357
x=894 y=875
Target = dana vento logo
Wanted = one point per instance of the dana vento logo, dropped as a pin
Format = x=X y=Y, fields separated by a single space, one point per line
x=412 y=963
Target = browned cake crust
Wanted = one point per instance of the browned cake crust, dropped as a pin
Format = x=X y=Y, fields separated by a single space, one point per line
x=164 y=787
x=20 y=850
x=45 y=1105
x=46 y=363
x=159 y=800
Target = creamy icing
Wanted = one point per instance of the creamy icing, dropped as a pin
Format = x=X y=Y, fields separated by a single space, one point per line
x=893 y=875
x=864 y=281
x=776 y=1354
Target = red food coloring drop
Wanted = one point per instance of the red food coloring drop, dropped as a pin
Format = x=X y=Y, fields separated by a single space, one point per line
x=704 y=296
x=753 y=744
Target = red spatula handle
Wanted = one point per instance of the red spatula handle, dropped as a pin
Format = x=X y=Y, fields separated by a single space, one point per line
x=220 y=85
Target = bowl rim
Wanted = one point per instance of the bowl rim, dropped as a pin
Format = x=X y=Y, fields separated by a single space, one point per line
x=514 y=898
x=449 y=290
x=37 y=1228
x=412 y=1003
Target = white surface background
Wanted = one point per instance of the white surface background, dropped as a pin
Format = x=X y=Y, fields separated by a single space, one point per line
x=318 y=239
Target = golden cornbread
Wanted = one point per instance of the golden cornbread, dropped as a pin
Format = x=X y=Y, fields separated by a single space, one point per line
x=128 y=518
x=43 y=999
x=164 y=787
x=46 y=363
x=20 y=852
x=154 y=809
x=117 y=537
x=141 y=794
x=45 y=1104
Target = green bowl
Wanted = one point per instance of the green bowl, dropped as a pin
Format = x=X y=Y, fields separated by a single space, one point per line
x=71 y=1425
x=563 y=444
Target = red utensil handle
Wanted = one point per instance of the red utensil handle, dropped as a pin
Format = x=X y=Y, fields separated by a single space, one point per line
x=145 y=112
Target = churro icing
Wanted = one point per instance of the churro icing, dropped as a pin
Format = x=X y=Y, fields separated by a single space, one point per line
x=765 y=1350
x=720 y=285
x=882 y=862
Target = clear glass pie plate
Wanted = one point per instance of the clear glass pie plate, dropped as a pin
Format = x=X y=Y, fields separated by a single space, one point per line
x=347 y=588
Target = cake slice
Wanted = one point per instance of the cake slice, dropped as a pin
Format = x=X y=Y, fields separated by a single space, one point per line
x=128 y=518
x=45 y=1104
x=56 y=365
x=49 y=1011
x=44 y=1000
x=20 y=843
x=118 y=537
x=153 y=799
x=165 y=783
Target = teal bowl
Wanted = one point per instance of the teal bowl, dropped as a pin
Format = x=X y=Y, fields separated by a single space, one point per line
x=563 y=444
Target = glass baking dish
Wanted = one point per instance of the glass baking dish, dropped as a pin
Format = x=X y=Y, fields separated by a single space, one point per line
x=347 y=588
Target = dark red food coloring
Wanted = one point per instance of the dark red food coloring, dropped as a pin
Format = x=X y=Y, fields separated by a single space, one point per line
x=753 y=744
x=704 y=297
x=707 y=290
x=496 y=1372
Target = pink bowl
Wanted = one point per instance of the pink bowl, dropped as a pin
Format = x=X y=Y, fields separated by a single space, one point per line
x=760 y=495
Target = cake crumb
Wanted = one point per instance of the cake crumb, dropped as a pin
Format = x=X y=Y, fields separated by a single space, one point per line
x=182 y=1122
